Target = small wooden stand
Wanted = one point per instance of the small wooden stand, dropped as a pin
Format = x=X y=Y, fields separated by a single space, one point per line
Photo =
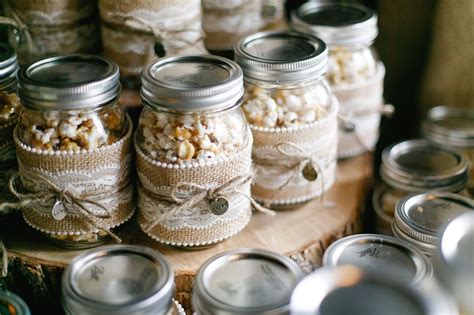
x=35 y=265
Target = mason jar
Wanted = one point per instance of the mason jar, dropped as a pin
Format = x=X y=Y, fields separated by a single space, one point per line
x=355 y=72
x=292 y=114
x=420 y=217
x=453 y=259
x=375 y=253
x=73 y=145
x=9 y=111
x=245 y=281
x=122 y=279
x=351 y=290
x=452 y=127
x=12 y=304
x=415 y=166
x=193 y=151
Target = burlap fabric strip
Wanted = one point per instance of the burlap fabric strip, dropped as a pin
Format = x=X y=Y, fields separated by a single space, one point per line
x=136 y=32
x=226 y=22
x=7 y=162
x=361 y=107
x=297 y=164
x=45 y=27
x=73 y=193
x=175 y=204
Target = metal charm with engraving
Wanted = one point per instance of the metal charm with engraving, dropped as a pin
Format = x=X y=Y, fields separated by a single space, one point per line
x=309 y=172
x=59 y=211
x=219 y=205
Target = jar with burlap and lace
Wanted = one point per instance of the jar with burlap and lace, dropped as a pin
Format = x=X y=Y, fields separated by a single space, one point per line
x=42 y=28
x=354 y=70
x=9 y=111
x=134 y=33
x=193 y=151
x=73 y=146
x=292 y=115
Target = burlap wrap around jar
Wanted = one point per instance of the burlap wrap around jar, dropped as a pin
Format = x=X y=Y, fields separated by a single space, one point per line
x=354 y=71
x=42 y=27
x=193 y=149
x=134 y=33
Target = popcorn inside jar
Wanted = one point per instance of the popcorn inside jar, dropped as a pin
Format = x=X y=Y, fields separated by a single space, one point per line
x=190 y=138
x=73 y=130
x=9 y=107
x=350 y=65
x=279 y=107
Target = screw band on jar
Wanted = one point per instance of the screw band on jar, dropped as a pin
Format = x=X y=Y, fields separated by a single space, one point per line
x=292 y=116
x=193 y=151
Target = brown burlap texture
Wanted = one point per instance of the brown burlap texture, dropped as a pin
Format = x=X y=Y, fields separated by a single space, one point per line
x=7 y=160
x=305 y=137
x=52 y=27
x=142 y=24
x=216 y=174
x=361 y=104
x=86 y=162
x=6 y=133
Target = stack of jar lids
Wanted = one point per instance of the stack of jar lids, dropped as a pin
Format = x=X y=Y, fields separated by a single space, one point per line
x=420 y=165
x=351 y=290
x=454 y=259
x=377 y=254
x=418 y=218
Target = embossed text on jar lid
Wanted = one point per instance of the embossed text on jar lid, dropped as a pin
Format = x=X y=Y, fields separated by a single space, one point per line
x=337 y=24
x=122 y=278
x=192 y=83
x=420 y=165
x=450 y=126
x=419 y=218
x=8 y=62
x=281 y=57
x=69 y=82
x=375 y=253
x=351 y=290
x=12 y=304
x=245 y=281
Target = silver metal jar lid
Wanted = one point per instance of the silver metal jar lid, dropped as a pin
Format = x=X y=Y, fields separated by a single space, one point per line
x=127 y=279
x=192 y=83
x=450 y=126
x=420 y=165
x=245 y=281
x=12 y=304
x=419 y=218
x=375 y=253
x=351 y=290
x=8 y=63
x=345 y=24
x=454 y=259
x=281 y=57
x=69 y=82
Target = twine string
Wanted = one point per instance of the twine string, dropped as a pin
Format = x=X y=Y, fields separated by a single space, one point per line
x=3 y=252
x=16 y=22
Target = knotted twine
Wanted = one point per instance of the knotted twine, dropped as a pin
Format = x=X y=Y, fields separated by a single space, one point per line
x=302 y=160
x=182 y=201
x=72 y=203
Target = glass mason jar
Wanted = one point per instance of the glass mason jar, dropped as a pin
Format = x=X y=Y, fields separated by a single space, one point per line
x=123 y=279
x=292 y=115
x=245 y=281
x=72 y=139
x=192 y=137
x=420 y=217
x=455 y=128
x=9 y=111
x=415 y=166
x=355 y=72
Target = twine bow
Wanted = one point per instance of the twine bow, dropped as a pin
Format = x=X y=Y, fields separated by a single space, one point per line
x=72 y=203
x=303 y=159
x=184 y=201
x=16 y=22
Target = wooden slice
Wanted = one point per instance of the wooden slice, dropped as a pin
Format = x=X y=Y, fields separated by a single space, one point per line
x=35 y=265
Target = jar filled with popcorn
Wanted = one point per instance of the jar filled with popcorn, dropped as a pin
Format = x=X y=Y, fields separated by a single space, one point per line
x=354 y=70
x=292 y=115
x=9 y=111
x=193 y=151
x=73 y=146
